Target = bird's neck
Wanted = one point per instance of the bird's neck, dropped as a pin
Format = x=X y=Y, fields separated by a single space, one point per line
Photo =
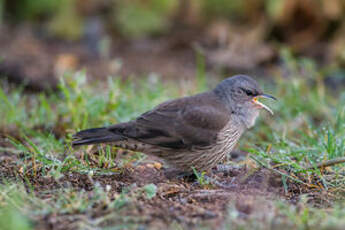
x=247 y=116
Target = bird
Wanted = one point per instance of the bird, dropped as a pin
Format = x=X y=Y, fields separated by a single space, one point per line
x=189 y=133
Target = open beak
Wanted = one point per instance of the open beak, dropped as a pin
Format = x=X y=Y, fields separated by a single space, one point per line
x=257 y=102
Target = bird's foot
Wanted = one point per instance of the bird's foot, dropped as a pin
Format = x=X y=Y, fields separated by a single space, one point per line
x=187 y=176
x=227 y=170
x=203 y=179
x=217 y=183
x=180 y=175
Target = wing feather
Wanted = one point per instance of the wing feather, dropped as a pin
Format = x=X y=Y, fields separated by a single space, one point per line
x=180 y=123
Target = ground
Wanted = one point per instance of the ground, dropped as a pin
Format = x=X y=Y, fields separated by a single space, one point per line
x=186 y=203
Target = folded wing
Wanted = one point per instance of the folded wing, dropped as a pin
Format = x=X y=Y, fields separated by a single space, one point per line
x=180 y=123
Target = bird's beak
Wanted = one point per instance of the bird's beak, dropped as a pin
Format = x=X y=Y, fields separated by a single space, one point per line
x=257 y=102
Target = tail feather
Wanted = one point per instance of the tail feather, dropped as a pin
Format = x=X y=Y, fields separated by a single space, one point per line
x=95 y=136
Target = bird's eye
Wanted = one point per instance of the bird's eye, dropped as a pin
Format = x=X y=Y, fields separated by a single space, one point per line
x=248 y=92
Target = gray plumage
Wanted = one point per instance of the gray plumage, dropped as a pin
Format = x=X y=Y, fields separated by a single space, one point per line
x=195 y=131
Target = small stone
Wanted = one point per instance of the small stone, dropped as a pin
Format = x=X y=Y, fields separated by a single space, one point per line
x=150 y=166
x=157 y=165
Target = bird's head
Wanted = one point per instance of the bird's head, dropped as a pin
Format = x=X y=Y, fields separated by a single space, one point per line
x=241 y=94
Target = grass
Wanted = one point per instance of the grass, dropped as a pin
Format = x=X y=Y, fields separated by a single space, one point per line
x=308 y=128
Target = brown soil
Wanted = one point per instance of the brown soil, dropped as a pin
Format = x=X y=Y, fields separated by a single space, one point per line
x=186 y=203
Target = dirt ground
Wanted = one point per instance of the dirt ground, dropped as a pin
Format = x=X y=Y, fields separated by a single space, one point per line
x=178 y=200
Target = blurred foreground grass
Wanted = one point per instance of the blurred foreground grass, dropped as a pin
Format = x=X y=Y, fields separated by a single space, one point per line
x=308 y=128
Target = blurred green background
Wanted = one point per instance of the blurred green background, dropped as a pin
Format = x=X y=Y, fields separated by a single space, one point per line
x=162 y=36
x=283 y=20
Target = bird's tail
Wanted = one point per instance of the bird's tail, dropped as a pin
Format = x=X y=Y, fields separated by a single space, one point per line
x=95 y=136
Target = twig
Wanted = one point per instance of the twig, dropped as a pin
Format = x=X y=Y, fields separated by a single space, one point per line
x=328 y=163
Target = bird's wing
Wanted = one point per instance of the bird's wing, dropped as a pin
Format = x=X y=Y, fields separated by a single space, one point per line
x=180 y=123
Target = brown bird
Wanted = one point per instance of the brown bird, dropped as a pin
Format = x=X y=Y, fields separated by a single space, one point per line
x=196 y=131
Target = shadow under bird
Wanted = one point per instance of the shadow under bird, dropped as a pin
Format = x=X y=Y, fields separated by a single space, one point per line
x=196 y=131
